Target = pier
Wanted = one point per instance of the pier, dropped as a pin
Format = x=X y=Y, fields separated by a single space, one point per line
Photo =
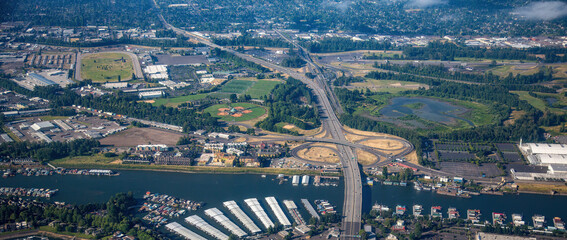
x=259 y=211
x=184 y=232
x=206 y=227
x=290 y=205
x=218 y=216
x=242 y=217
x=310 y=208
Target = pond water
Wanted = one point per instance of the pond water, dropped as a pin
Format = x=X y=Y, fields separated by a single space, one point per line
x=430 y=109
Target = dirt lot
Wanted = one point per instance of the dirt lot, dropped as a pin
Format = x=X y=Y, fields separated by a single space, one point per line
x=383 y=144
x=319 y=154
x=138 y=136
x=365 y=158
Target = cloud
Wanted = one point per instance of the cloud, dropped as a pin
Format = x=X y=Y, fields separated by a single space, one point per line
x=543 y=10
x=425 y=3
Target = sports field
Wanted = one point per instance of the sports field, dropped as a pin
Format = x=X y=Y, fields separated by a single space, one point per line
x=106 y=67
x=173 y=102
x=236 y=86
x=261 y=88
x=236 y=112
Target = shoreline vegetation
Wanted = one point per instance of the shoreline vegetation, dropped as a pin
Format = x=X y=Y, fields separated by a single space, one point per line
x=196 y=169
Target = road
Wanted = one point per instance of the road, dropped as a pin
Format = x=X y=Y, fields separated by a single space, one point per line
x=352 y=208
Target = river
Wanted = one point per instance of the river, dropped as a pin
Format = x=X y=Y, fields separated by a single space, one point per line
x=213 y=189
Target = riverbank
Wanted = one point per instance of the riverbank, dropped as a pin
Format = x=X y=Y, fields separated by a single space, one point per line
x=195 y=169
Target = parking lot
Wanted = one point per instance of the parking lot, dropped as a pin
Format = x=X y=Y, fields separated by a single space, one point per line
x=63 y=129
x=470 y=170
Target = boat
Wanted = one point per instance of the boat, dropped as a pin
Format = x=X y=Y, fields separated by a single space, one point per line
x=538 y=220
x=517 y=220
x=558 y=223
x=473 y=215
x=417 y=210
x=380 y=208
x=400 y=210
x=436 y=212
x=453 y=213
x=369 y=181
x=498 y=218
x=417 y=186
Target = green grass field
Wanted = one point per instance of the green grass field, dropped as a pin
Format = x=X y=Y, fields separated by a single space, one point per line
x=106 y=67
x=257 y=111
x=173 y=102
x=536 y=102
x=236 y=86
x=261 y=88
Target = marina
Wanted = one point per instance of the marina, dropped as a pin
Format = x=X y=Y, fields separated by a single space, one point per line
x=517 y=220
x=417 y=209
x=539 y=221
x=242 y=217
x=28 y=192
x=292 y=208
x=218 y=216
x=295 y=180
x=259 y=212
x=81 y=189
x=305 y=180
x=309 y=208
x=183 y=231
x=498 y=218
x=280 y=215
x=436 y=212
x=199 y=223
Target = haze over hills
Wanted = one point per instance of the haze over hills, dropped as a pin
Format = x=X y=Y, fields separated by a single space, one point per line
x=391 y=17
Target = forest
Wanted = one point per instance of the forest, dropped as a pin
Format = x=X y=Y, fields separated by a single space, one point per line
x=291 y=103
x=77 y=13
x=114 y=215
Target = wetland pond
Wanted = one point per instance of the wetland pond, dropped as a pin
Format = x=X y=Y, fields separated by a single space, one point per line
x=426 y=108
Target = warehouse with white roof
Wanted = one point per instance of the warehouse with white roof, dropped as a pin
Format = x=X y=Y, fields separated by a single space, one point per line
x=552 y=156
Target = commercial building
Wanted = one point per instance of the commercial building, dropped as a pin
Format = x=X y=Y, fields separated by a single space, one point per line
x=116 y=85
x=154 y=147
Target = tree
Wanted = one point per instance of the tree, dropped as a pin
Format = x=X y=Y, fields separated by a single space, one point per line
x=363 y=234
x=385 y=172
x=233 y=98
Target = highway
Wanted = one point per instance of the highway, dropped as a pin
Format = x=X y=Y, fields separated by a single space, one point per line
x=328 y=106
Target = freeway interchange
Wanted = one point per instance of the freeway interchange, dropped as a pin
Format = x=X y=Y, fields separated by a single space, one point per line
x=328 y=107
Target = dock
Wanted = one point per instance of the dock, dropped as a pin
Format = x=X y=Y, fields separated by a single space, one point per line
x=206 y=227
x=183 y=231
x=310 y=208
x=292 y=208
x=282 y=218
x=259 y=211
x=242 y=217
x=218 y=216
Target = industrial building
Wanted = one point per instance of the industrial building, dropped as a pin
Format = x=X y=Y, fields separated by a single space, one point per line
x=157 y=71
x=150 y=94
x=116 y=85
x=42 y=126
x=552 y=156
